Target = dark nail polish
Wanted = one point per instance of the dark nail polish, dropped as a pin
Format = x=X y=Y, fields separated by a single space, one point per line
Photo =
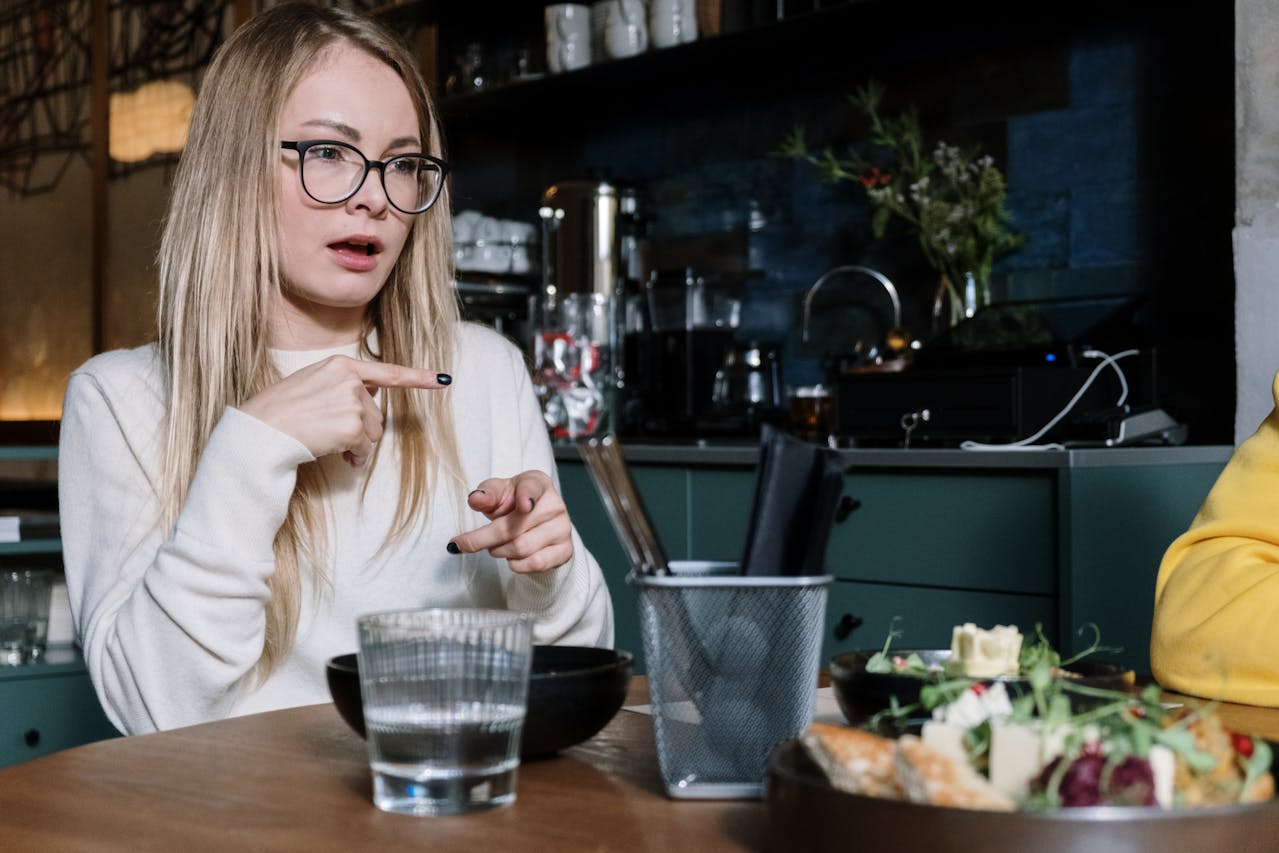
x=452 y=548
x=444 y=379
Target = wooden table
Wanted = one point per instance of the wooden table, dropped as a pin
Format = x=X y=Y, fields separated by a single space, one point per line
x=299 y=780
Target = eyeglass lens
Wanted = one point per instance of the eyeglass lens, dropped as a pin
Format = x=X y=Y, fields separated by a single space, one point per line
x=333 y=172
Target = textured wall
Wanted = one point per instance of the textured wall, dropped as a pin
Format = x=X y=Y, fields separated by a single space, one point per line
x=1256 y=233
x=46 y=323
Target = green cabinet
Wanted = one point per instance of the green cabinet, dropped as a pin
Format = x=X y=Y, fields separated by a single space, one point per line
x=860 y=615
x=937 y=538
x=48 y=706
x=1116 y=524
x=982 y=531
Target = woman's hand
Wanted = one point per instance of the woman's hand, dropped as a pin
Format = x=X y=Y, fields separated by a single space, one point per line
x=529 y=525
x=330 y=406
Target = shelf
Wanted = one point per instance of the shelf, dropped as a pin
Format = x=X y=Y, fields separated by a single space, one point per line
x=28 y=451
x=60 y=659
x=823 y=50
x=495 y=284
x=632 y=85
x=32 y=546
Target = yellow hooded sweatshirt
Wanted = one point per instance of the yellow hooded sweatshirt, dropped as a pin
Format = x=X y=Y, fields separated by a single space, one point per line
x=1216 y=623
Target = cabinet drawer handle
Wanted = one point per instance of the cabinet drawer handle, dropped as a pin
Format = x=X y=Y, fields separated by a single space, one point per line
x=847 y=624
x=32 y=737
x=846 y=507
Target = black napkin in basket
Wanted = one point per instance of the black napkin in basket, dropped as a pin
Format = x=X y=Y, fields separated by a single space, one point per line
x=797 y=487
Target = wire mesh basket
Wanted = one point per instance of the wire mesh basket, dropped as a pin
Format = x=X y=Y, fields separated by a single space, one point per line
x=732 y=671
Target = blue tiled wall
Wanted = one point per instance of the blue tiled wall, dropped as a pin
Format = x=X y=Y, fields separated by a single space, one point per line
x=1091 y=183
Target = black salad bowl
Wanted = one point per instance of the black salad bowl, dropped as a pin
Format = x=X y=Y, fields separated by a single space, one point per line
x=573 y=692
x=862 y=694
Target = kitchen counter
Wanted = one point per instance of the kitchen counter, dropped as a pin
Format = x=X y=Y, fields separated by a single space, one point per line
x=930 y=538
x=713 y=452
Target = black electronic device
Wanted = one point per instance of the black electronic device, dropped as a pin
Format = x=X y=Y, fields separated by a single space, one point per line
x=1004 y=374
x=1049 y=332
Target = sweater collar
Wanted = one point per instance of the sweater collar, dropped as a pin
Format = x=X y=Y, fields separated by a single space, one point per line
x=288 y=361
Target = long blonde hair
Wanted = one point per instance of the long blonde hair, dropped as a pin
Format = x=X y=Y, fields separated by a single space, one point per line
x=219 y=266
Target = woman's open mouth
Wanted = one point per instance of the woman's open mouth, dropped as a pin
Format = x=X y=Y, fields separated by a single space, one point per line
x=357 y=253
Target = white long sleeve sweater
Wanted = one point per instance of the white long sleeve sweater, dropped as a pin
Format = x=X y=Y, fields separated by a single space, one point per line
x=172 y=622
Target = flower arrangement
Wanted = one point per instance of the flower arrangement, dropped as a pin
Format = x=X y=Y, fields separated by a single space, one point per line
x=953 y=199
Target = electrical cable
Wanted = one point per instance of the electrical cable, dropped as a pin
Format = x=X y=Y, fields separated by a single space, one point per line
x=1028 y=443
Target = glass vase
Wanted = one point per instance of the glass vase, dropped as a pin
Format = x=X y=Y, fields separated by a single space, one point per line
x=954 y=303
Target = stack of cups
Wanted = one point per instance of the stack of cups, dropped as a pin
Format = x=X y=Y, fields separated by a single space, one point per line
x=672 y=22
x=625 y=27
x=25 y=595
x=568 y=37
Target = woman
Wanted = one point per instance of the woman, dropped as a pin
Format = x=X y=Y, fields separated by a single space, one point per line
x=1215 y=633
x=293 y=451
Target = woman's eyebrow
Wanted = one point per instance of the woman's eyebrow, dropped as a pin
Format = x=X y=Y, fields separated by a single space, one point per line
x=332 y=124
x=352 y=134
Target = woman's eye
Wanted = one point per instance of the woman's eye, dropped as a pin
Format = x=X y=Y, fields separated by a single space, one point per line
x=406 y=166
x=326 y=152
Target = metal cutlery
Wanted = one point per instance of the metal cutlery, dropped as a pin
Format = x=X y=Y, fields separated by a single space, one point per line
x=607 y=467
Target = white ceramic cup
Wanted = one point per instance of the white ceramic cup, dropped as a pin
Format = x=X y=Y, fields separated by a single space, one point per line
x=568 y=37
x=626 y=30
x=672 y=22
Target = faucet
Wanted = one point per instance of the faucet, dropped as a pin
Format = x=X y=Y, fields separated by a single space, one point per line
x=875 y=274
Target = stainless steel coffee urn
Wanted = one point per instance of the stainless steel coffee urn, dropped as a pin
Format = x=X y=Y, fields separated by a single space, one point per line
x=589 y=251
x=588 y=238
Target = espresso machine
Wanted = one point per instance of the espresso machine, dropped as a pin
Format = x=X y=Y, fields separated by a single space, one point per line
x=593 y=246
x=689 y=376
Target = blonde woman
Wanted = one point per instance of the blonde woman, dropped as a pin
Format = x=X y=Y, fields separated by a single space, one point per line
x=316 y=434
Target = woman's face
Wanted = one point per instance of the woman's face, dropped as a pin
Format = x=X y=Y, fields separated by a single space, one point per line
x=336 y=257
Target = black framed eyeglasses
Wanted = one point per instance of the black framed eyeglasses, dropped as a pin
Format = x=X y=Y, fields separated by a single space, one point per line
x=333 y=171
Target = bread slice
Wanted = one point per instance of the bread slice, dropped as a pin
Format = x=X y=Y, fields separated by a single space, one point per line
x=853 y=760
x=929 y=776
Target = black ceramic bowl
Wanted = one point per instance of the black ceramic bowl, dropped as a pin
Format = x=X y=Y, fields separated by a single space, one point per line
x=805 y=812
x=573 y=692
x=862 y=694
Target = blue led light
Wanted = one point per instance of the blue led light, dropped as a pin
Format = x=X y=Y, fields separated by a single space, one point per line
x=1050 y=357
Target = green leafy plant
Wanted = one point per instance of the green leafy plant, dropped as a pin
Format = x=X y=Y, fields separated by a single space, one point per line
x=953 y=199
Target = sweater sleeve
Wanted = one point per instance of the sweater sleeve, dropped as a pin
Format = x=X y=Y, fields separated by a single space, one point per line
x=171 y=622
x=1215 y=629
x=571 y=602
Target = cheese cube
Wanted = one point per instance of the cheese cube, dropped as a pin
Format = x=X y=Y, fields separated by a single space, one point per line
x=979 y=653
x=1163 y=765
x=1016 y=757
x=946 y=738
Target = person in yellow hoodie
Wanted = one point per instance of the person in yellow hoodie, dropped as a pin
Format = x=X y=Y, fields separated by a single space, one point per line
x=1216 y=631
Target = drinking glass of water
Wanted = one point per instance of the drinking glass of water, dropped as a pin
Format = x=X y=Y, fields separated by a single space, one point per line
x=445 y=695
x=24 y=614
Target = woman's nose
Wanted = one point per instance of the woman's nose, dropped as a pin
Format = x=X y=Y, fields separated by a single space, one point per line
x=371 y=195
